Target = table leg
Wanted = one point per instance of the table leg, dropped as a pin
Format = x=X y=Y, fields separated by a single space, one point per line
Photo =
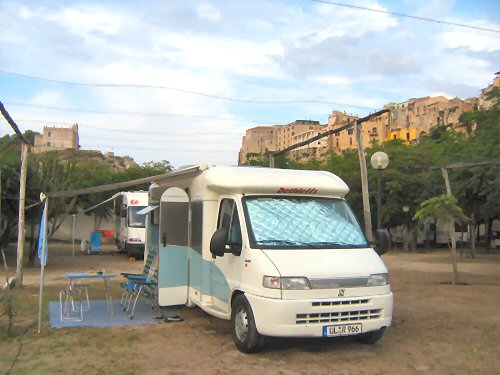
x=107 y=293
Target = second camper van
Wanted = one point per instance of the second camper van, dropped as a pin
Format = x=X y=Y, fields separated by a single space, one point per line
x=130 y=228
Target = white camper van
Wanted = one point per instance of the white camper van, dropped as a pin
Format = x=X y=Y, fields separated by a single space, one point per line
x=130 y=230
x=277 y=252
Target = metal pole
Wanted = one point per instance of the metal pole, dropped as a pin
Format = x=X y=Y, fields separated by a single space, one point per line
x=73 y=235
x=379 y=198
x=42 y=262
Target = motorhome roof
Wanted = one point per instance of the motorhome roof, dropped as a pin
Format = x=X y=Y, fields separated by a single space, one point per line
x=258 y=180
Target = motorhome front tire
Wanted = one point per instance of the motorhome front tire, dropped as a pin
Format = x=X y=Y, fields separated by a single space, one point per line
x=243 y=329
x=370 y=338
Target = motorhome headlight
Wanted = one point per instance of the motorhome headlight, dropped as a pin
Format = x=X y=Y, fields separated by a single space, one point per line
x=378 y=279
x=286 y=283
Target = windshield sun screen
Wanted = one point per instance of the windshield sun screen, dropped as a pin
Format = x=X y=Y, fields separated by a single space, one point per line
x=302 y=222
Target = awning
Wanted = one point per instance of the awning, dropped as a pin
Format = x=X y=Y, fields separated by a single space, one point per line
x=146 y=210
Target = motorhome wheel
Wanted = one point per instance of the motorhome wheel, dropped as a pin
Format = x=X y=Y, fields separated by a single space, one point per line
x=244 y=331
x=370 y=338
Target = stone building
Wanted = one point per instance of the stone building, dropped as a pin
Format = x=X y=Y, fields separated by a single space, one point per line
x=54 y=138
x=258 y=140
x=407 y=121
x=484 y=103
x=262 y=139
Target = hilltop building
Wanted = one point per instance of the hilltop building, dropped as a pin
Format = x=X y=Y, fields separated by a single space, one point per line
x=407 y=121
x=484 y=103
x=54 y=138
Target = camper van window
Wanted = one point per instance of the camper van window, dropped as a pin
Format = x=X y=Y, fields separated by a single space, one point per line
x=134 y=220
x=302 y=223
x=229 y=219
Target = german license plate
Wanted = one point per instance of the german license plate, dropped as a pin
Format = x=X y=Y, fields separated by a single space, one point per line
x=342 y=330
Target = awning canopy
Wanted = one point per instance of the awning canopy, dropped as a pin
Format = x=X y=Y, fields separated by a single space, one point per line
x=146 y=210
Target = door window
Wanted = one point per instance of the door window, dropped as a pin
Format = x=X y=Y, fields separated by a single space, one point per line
x=229 y=219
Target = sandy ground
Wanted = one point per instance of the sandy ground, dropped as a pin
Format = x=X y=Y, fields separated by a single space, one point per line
x=437 y=328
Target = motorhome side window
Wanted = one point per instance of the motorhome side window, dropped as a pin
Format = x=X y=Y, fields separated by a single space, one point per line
x=229 y=219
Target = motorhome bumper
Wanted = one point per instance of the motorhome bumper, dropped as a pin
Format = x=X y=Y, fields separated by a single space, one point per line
x=306 y=318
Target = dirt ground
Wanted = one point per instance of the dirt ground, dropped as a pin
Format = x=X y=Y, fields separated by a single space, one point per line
x=437 y=329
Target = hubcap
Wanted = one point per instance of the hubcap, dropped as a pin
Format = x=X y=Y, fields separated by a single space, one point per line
x=241 y=324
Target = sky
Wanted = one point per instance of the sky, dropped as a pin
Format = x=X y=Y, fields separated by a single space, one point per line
x=182 y=80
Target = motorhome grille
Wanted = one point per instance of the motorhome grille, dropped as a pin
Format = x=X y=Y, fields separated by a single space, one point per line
x=338 y=317
x=339 y=303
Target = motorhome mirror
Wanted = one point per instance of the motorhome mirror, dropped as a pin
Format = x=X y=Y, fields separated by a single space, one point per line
x=218 y=242
x=381 y=241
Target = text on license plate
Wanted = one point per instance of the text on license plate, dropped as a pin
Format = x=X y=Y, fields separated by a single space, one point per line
x=342 y=330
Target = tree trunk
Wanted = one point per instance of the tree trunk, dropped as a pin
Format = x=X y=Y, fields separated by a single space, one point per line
x=473 y=230
x=364 y=182
x=451 y=231
x=405 y=237
x=21 y=220
x=33 y=247
x=57 y=224
x=489 y=234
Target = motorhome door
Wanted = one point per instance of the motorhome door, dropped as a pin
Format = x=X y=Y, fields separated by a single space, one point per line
x=174 y=247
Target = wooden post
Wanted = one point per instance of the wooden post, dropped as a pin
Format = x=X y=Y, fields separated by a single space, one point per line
x=364 y=181
x=451 y=227
x=21 y=223
x=0 y=198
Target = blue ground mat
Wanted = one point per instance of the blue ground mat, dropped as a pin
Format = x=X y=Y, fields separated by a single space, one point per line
x=99 y=316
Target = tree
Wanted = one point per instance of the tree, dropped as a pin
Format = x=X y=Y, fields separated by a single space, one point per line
x=444 y=208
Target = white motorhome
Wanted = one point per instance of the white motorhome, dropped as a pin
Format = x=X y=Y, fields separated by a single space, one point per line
x=130 y=229
x=277 y=252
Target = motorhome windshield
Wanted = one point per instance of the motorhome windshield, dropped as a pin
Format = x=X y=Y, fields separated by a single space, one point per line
x=134 y=220
x=302 y=223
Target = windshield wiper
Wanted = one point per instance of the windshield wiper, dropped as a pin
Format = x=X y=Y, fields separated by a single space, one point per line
x=338 y=244
x=288 y=242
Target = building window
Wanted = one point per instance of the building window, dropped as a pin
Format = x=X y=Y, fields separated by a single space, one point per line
x=394 y=136
x=374 y=131
x=49 y=134
x=408 y=137
x=293 y=133
x=48 y=144
x=350 y=131
x=350 y=141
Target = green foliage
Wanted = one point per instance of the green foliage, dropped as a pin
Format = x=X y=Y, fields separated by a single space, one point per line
x=443 y=208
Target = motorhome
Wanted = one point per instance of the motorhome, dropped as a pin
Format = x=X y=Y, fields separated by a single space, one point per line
x=130 y=229
x=277 y=252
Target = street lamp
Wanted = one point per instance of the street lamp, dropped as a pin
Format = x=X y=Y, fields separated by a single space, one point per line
x=379 y=161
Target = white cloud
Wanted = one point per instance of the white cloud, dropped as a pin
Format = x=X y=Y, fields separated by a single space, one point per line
x=474 y=40
x=208 y=11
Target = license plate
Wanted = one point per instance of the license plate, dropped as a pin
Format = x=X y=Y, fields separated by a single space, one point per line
x=342 y=330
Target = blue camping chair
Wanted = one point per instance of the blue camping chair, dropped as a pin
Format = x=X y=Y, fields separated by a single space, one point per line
x=130 y=286
x=95 y=243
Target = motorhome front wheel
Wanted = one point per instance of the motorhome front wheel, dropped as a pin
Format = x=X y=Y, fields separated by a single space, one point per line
x=244 y=331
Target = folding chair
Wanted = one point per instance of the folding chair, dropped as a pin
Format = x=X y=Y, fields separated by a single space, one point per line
x=129 y=285
x=149 y=289
x=67 y=307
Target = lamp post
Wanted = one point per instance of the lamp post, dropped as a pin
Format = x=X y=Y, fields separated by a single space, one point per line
x=379 y=161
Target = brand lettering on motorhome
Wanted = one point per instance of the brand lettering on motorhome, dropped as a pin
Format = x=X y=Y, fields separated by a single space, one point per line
x=134 y=202
x=282 y=190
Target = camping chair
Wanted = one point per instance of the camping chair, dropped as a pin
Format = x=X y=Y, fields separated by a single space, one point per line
x=148 y=287
x=129 y=286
